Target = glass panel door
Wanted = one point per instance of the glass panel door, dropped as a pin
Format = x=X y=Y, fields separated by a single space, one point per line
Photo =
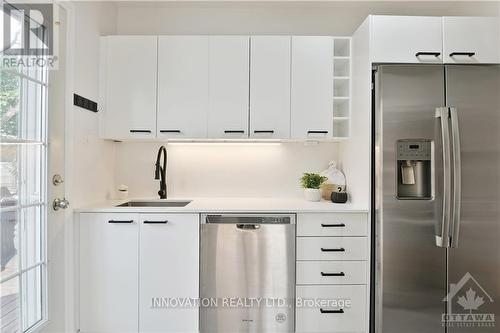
x=23 y=203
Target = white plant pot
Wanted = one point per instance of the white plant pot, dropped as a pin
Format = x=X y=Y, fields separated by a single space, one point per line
x=312 y=194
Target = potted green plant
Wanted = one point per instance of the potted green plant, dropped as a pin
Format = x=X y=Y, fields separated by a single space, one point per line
x=311 y=183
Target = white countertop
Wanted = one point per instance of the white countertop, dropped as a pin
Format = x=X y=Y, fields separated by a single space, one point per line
x=208 y=205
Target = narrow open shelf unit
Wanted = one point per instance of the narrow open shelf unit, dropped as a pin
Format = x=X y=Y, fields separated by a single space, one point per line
x=341 y=87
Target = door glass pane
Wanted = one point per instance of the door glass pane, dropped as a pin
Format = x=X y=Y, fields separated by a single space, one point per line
x=31 y=171
x=31 y=297
x=31 y=236
x=10 y=232
x=9 y=176
x=21 y=104
x=9 y=306
x=10 y=91
x=22 y=174
x=31 y=115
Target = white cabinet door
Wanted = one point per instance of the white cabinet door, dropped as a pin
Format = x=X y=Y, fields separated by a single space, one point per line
x=169 y=268
x=128 y=92
x=182 y=86
x=270 y=87
x=228 y=87
x=109 y=265
x=312 y=87
x=406 y=39
x=471 y=40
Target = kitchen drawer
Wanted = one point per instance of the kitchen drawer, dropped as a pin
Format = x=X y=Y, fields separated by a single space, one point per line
x=336 y=224
x=349 y=317
x=332 y=248
x=331 y=272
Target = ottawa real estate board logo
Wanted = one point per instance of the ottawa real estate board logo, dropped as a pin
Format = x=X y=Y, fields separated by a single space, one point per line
x=468 y=304
x=29 y=35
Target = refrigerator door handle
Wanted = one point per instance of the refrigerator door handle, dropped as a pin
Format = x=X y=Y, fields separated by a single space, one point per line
x=457 y=177
x=442 y=115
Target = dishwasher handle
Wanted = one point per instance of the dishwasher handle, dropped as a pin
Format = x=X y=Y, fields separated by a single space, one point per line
x=248 y=226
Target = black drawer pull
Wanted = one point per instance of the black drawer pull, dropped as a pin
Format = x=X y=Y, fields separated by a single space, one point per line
x=155 y=222
x=332 y=274
x=469 y=54
x=333 y=250
x=331 y=311
x=120 y=221
x=317 y=132
x=140 y=131
x=170 y=131
x=436 y=54
x=262 y=131
x=233 y=131
x=332 y=225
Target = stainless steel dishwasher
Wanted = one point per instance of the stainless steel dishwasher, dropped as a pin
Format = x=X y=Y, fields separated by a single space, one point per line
x=247 y=275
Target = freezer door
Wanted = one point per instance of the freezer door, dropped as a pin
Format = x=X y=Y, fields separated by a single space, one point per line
x=410 y=277
x=474 y=91
x=247 y=262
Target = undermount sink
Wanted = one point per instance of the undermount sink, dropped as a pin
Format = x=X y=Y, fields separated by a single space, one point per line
x=159 y=203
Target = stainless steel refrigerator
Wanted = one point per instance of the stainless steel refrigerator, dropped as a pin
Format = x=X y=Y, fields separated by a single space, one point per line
x=436 y=198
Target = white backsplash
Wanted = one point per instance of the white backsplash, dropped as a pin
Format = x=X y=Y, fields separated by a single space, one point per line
x=221 y=170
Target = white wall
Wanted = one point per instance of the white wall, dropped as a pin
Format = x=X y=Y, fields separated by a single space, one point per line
x=283 y=17
x=222 y=170
x=93 y=158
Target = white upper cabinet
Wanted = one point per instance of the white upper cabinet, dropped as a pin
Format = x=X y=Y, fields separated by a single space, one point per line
x=128 y=87
x=406 y=39
x=471 y=40
x=312 y=87
x=270 y=87
x=182 y=86
x=228 y=87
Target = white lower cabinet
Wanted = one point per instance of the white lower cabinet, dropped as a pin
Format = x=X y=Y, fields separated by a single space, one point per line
x=343 y=309
x=132 y=266
x=109 y=272
x=168 y=273
x=332 y=272
x=332 y=248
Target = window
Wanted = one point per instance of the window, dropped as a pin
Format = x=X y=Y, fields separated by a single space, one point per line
x=23 y=198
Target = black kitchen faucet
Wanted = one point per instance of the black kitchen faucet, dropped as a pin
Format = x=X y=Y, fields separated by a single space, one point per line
x=161 y=172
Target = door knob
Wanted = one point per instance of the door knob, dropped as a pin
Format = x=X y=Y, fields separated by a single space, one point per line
x=60 y=203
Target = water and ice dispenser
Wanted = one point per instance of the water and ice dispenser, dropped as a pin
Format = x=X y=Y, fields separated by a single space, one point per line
x=414 y=169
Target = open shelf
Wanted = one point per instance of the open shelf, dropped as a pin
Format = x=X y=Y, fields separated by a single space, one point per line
x=341 y=87
x=341 y=107
x=342 y=47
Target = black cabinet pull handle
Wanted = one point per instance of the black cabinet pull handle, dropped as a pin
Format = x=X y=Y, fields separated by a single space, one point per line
x=263 y=131
x=331 y=311
x=469 y=54
x=155 y=222
x=333 y=250
x=233 y=131
x=332 y=274
x=139 y=131
x=332 y=225
x=317 y=132
x=436 y=54
x=120 y=221
x=170 y=131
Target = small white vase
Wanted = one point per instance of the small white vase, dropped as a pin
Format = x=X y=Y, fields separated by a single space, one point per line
x=312 y=194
